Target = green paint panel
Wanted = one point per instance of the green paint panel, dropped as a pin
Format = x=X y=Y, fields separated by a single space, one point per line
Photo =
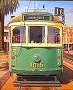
x=26 y=56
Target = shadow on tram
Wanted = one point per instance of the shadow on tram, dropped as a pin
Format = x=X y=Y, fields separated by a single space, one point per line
x=67 y=75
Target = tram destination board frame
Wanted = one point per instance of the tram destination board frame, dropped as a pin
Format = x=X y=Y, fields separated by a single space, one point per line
x=48 y=17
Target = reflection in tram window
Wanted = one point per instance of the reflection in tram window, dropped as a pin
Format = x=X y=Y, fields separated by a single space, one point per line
x=53 y=35
x=19 y=35
x=36 y=34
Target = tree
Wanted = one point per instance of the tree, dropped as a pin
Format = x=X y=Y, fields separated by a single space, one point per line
x=6 y=7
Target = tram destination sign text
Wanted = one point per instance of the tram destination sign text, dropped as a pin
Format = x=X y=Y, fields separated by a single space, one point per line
x=33 y=17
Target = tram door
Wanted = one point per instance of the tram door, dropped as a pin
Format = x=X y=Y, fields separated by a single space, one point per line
x=36 y=34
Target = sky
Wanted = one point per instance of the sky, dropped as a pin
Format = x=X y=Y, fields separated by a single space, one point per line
x=49 y=6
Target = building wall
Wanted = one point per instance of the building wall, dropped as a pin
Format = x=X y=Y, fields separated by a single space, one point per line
x=68 y=35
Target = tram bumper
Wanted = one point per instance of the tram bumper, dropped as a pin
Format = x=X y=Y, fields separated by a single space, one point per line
x=50 y=72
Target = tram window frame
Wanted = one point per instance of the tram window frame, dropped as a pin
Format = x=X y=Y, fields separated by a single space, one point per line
x=21 y=39
x=55 y=39
x=41 y=33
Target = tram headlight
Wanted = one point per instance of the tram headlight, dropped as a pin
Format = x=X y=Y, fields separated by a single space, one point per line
x=13 y=57
x=59 y=57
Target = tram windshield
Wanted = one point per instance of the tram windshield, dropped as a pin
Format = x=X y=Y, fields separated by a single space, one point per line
x=36 y=34
x=19 y=35
x=53 y=35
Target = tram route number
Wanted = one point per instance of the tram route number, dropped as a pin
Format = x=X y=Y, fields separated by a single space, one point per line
x=37 y=65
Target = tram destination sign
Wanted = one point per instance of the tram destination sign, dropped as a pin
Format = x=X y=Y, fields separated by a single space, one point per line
x=37 y=17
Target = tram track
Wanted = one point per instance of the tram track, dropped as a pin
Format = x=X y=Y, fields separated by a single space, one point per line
x=38 y=88
x=9 y=83
x=4 y=78
x=68 y=58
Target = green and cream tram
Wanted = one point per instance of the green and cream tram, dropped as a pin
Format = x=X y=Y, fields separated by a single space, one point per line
x=36 y=44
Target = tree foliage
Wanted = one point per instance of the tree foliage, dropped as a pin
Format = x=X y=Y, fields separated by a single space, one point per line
x=8 y=6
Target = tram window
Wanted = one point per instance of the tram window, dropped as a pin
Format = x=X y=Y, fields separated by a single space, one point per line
x=19 y=35
x=53 y=35
x=36 y=34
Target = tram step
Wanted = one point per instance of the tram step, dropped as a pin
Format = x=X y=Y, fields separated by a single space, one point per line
x=30 y=83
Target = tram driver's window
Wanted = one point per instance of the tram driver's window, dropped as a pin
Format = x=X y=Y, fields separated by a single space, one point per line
x=18 y=35
x=53 y=35
x=36 y=34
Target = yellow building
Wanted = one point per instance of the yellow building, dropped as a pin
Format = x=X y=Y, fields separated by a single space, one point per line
x=68 y=35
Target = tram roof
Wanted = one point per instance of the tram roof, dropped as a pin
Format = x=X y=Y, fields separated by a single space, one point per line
x=36 y=13
x=19 y=18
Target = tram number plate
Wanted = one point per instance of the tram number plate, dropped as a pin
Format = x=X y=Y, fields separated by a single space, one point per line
x=37 y=65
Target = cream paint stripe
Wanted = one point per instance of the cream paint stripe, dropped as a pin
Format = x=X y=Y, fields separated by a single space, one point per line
x=26 y=35
x=38 y=45
x=46 y=34
x=36 y=23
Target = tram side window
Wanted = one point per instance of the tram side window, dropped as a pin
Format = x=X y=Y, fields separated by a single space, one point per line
x=19 y=35
x=53 y=35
